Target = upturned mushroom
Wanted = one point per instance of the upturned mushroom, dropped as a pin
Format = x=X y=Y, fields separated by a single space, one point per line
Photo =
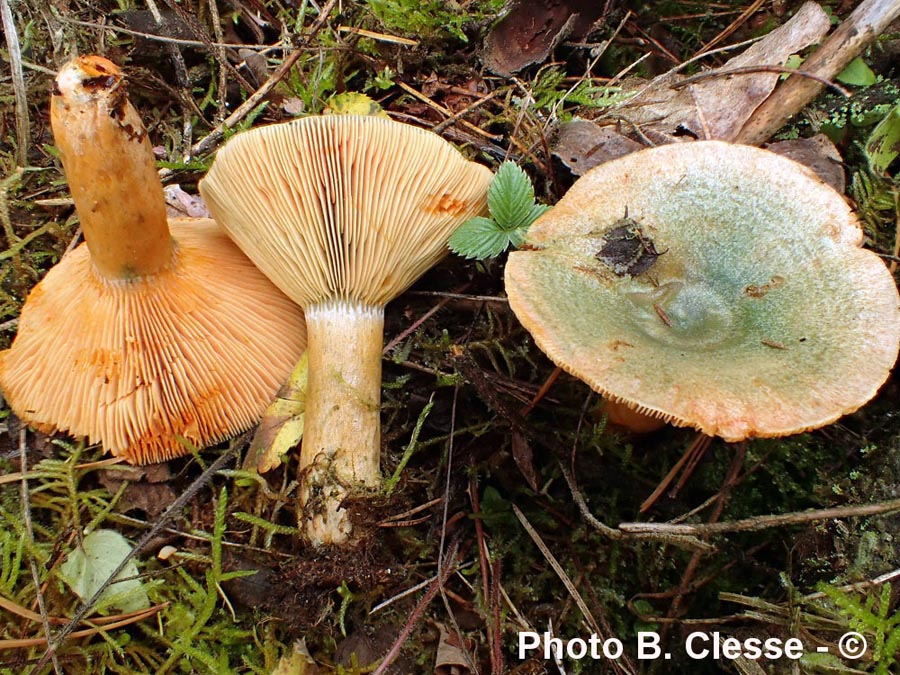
x=343 y=213
x=152 y=336
x=715 y=286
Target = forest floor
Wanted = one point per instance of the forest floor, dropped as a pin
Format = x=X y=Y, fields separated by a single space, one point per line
x=511 y=485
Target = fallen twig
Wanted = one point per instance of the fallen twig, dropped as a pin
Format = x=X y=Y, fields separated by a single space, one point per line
x=29 y=530
x=749 y=70
x=216 y=135
x=730 y=28
x=106 y=626
x=863 y=25
x=18 y=80
x=171 y=511
x=694 y=452
x=763 y=522
x=446 y=571
x=677 y=539
x=560 y=572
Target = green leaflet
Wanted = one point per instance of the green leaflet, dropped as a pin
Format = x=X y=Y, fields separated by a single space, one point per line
x=510 y=196
x=512 y=210
x=883 y=145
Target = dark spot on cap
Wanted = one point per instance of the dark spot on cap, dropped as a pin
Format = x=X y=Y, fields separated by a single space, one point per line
x=99 y=82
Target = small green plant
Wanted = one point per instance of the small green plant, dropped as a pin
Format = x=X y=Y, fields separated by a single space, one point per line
x=512 y=210
x=431 y=19
x=382 y=80
x=871 y=616
x=550 y=92
x=314 y=80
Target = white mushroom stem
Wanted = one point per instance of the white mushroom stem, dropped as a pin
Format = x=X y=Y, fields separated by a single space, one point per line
x=341 y=444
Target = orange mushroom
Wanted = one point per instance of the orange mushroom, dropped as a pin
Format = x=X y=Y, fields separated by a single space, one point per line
x=343 y=213
x=152 y=336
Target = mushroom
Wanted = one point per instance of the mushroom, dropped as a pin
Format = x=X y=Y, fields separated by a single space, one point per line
x=715 y=286
x=152 y=336
x=343 y=213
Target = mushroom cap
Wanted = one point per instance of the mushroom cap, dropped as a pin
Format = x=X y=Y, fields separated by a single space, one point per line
x=196 y=351
x=343 y=206
x=759 y=316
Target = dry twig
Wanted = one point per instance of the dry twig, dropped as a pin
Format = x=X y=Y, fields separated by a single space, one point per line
x=863 y=25
x=171 y=511
x=449 y=567
x=764 y=522
x=212 y=139
x=15 y=61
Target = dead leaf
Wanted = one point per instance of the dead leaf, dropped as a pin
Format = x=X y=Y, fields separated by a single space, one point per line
x=524 y=458
x=170 y=26
x=298 y=662
x=353 y=103
x=451 y=658
x=293 y=106
x=582 y=145
x=717 y=107
x=361 y=649
x=281 y=427
x=532 y=28
x=148 y=489
x=529 y=667
x=257 y=65
x=819 y=154
x=180 y=204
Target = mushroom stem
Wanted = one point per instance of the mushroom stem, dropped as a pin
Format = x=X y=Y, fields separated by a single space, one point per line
x=341 y=443
x=621 y=415
x=110 y=169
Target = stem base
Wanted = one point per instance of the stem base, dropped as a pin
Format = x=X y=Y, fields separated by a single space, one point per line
x=342 y=443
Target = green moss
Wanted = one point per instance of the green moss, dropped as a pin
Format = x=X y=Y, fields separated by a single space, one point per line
x=432 y=19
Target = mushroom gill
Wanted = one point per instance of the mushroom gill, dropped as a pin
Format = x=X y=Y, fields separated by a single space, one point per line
x=343 y=213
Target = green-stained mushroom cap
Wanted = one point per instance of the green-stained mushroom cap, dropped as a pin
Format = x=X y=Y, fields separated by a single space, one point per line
x=713 y=285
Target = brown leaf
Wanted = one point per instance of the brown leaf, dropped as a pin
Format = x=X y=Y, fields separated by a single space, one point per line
x=524 y=458
x=148 y=489
x=143 y=21
x=532 y=28
x=451 y=658
x=717 y=107
x=360 y=649
x=257 y=65
x=582 y=145
x=819 y=154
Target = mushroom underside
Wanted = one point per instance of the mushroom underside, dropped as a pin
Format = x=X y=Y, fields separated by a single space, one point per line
x=343 y=213
x=190 y=355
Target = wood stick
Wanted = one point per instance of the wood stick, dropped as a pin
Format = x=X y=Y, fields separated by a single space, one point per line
x=216 y=135
x=15 y=61
x=764 y=522
x=863 y=25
